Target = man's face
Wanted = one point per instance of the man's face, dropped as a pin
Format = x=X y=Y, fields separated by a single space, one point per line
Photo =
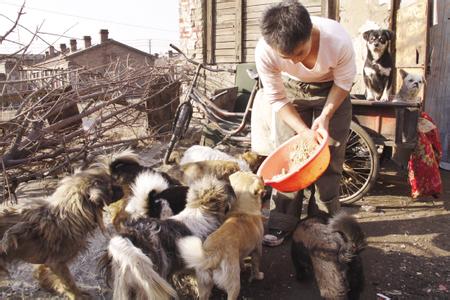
x=300 y=52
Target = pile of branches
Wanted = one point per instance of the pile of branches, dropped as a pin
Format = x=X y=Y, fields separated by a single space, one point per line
x=64 y=119
x=53 y=129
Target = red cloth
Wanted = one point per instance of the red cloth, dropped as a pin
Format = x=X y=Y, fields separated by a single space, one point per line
x=424 y=175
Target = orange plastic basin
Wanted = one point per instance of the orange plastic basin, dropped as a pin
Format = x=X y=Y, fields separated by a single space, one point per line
x=301 y=176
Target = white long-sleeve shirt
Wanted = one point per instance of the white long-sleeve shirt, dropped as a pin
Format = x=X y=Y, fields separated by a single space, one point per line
x=335 y=62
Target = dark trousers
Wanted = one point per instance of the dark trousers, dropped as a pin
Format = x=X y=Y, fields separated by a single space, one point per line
x=324 y=194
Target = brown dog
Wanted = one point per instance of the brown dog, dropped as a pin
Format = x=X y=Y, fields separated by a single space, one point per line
x=218 y=261
x=51 y=232
x=327 y=249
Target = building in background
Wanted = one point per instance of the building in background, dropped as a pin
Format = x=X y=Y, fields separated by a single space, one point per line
x=67 y=62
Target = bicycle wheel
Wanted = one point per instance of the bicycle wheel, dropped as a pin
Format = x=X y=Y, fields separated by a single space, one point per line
x=179 y=126
x=361 y=165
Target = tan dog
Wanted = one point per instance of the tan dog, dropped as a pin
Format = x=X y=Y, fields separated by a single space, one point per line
x=254 y=160
x=51 y=232
x=190 y=172
x=218 y=261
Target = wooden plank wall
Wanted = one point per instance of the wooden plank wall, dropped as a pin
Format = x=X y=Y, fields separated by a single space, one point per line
x=437 y=102
x=411 y=39
x=236 y=27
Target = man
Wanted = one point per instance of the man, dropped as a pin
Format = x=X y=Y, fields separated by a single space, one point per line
x=307 y=67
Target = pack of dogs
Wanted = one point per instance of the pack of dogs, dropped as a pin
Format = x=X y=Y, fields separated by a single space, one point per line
x=379 y=69
x=203 y=216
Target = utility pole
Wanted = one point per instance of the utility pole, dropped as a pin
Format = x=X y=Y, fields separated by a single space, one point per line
x=149 y=46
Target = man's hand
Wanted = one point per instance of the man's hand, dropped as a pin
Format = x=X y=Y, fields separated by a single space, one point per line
x=322 y=122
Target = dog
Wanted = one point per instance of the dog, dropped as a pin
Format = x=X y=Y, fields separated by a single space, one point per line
x=328 y=249
x=412 y=83
x=192 y=171
x=125 y=166
x=377 y=72
x=152 y=196
x=201 y=153
x=52 y=232
x=140 y=259
x=218 y=261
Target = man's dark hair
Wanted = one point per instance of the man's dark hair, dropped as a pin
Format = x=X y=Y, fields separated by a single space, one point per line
x=285 y=25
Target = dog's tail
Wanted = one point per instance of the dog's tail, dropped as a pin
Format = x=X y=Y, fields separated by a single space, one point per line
x=133 y=270
x=191 y=250
x=352 y=233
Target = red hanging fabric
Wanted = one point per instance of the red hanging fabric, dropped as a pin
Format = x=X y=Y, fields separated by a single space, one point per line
x=424 y=175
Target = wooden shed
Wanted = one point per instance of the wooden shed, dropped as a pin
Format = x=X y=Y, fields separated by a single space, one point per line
x=225 y=32
x=437 y=102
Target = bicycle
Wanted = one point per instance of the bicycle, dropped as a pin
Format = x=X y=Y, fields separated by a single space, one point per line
x=229 y=124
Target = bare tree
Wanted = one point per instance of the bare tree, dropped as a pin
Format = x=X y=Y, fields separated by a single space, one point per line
x=16 y=22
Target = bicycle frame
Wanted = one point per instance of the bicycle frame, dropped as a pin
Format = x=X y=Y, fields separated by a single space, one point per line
x=229 y=124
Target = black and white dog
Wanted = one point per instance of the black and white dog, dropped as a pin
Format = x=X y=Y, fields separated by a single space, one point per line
x=153 y=196
x=140 y=259
x=378 y=66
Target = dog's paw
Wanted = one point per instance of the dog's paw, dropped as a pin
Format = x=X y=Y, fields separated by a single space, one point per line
x=257 y=276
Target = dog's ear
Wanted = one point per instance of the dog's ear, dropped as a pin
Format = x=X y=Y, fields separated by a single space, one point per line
x=389 y=34
x=403 y=73
x=366 y=34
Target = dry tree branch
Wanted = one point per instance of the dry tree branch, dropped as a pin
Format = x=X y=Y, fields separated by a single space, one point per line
x=16 y=22
x=48 y=140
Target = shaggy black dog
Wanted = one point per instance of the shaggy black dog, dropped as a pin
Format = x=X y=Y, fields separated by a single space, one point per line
x=328 y=249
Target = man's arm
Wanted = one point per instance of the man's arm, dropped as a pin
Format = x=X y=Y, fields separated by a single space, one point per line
x=335 y=98
x=291 y=117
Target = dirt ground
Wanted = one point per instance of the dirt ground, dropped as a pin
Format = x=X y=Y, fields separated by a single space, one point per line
x=408 y=253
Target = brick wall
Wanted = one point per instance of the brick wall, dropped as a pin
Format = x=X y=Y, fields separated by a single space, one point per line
x=191 y=28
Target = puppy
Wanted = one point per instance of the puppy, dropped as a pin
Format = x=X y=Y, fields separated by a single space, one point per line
x=329 y=252
x=140 y=259
x=412 y=83
x=253 y=160
x=200 y=153
x=152 y=196
x=193 y=171
x=377 y=73
x=218 y=260
x=125 y=166
x=51 y=232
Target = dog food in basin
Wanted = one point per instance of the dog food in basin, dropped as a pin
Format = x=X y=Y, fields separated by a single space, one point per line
x=296 y=163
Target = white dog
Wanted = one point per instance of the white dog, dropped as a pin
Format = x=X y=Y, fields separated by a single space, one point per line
x=200 y=153
x=412 y=83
